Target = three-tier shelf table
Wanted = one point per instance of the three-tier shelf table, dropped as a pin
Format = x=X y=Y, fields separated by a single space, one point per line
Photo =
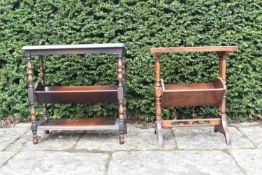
x=197 y=94
x=42 y=94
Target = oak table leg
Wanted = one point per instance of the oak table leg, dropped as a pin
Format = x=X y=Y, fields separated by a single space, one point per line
x=42 y=80
x=124 y=92
x=32 y=99
x=121 y=100
x=158 y=124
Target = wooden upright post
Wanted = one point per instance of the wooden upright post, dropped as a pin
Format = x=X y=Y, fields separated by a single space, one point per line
x=42 y=80
x=32 y=99
x=158 y=125
x=222 y=109
x=121 y=100
x=124 y=98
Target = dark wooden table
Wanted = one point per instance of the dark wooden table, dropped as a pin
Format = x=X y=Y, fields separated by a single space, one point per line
x=42 y=94
x=197 y=94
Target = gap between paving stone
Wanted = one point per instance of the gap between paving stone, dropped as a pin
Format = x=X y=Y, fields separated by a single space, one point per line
x=108 y=160
x=8 y=136
x=9 y=145
x=56 y=140
x=250 y=160
x=136 y=139
x=73 y=148
x=244 y=135
x=241 y=168
x=5 y=157
x=206 y=138
x=81 y=135
x=11 y=157
x=254 y=134
x=110 y=153
x=41 y=161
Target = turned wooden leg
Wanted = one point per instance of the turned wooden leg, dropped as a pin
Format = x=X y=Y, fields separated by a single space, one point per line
x=45 y=115
x=32 y=99
x=34 y=125
x=158 y=91
x=125 y=117
x=121 y=100
x=124 y=92
x=158 y=126
x=159 y=134
x=42 y=79
x=121 y=124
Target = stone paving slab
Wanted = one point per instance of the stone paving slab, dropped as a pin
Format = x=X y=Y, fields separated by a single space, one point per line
x=254 y=133
x=173 y=163
x=54 y=163
x=206 y=138
x=246 y=124
x=136 y=139
x=23 y=125
x=56 y=140
x=249 y=159
x=10 y=135
x=196 y=150
x=4 y=156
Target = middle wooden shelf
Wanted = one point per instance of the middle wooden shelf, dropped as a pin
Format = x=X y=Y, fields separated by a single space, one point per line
x=76 y=94
x=195 y=94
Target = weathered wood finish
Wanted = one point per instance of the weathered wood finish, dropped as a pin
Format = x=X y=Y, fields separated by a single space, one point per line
x=43 y=94
x=197 y=94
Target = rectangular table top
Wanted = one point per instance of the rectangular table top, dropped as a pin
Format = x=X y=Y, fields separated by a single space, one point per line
x=111 y=48
x=193 y=49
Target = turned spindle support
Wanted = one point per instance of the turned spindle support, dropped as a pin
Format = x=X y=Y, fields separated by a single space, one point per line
x=32 y=99
x=121 y=99
x=42 y=80
x=158 y=125
x=124 y=88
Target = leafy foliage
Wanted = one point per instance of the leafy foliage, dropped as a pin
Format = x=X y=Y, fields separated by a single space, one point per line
x=141 y=24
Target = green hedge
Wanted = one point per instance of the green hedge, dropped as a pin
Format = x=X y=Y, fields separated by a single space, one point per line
x=141 y=24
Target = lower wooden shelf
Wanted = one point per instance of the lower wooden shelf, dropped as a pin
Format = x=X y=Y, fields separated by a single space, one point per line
x=79 y=124
x=197 y=94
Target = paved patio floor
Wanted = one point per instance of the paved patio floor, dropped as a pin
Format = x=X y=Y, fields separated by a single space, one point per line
x=187 y=151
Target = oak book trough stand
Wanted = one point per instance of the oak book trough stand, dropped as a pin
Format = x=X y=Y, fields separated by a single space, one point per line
x=43 y=94
x=197 y=94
